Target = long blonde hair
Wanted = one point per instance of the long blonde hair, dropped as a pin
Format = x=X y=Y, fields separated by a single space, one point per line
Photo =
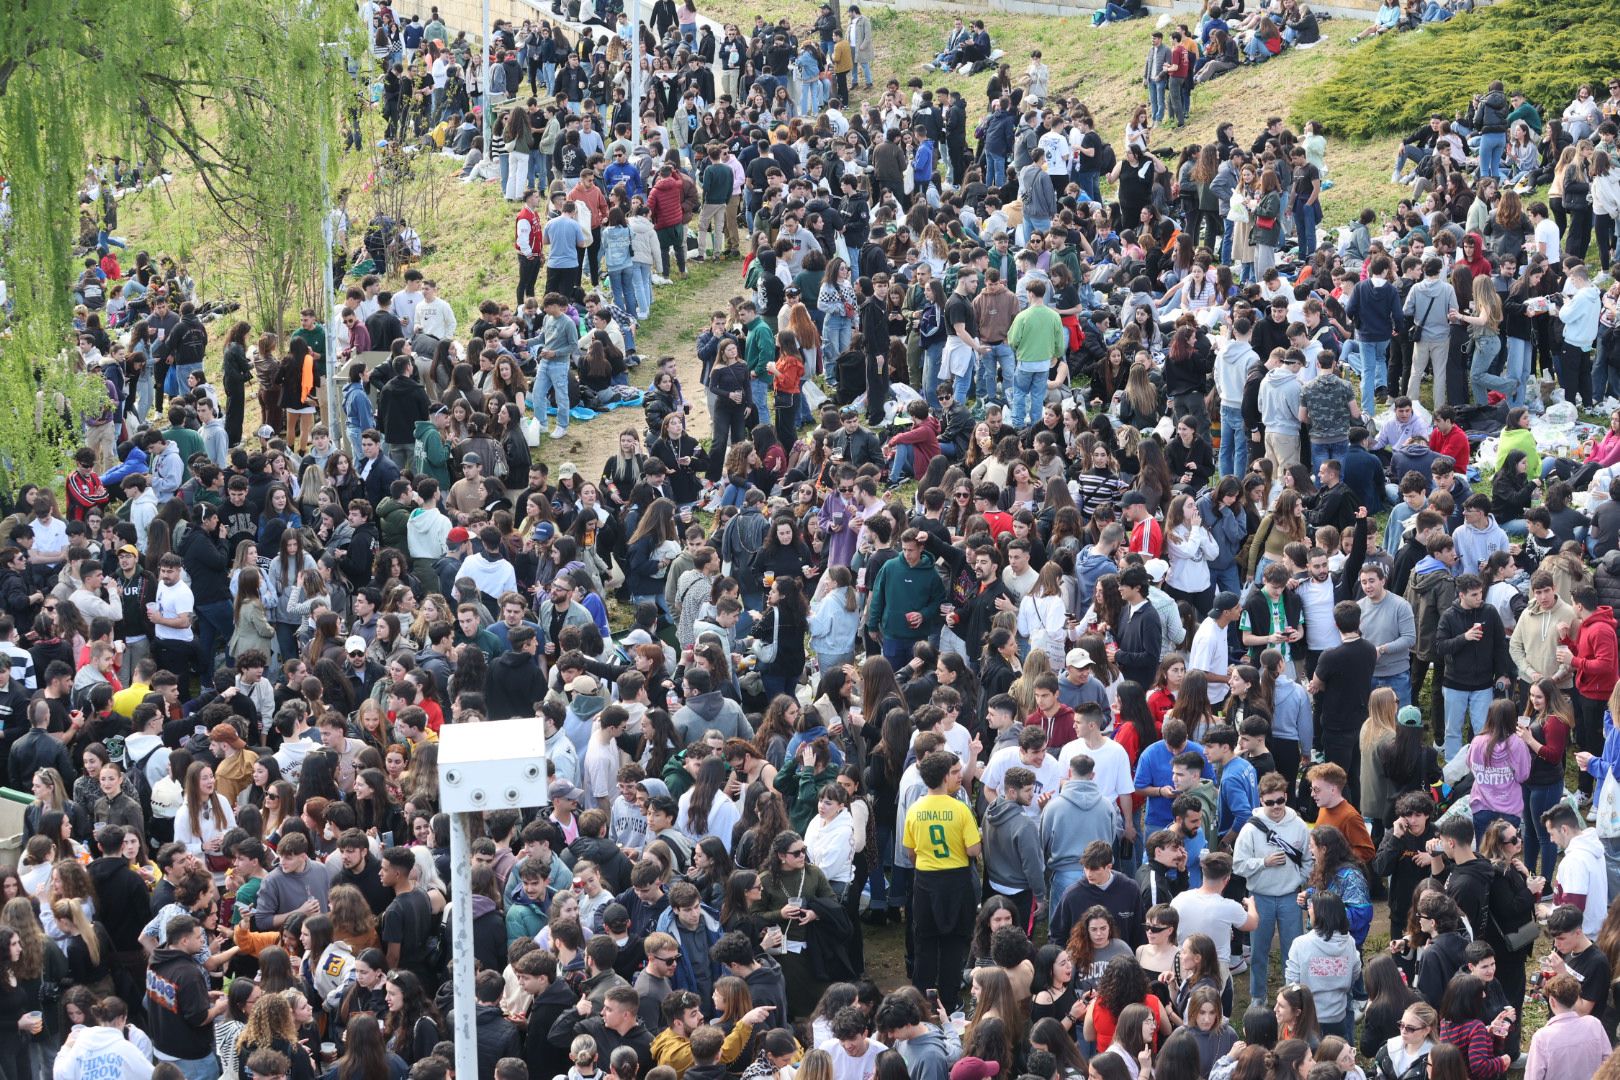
x=1380 y=719
x=1139 y=391
x=70 y=912
x=1487 y=303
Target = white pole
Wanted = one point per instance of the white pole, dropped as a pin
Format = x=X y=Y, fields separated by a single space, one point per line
x=461 y=945
x=485 y=77
x=635 y=73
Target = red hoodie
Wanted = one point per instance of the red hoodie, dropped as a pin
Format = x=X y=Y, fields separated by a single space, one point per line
x=1453 y=445
x=1596 y=655
x=1479 y=265
x=923 y=438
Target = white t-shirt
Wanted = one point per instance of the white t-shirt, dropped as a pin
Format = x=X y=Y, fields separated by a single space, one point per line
x=1113 y=766
x=1048 y=777
x=1057 y=152
x=1202 y=913
x=1316 y=597
x=958 y=741
x=1209 y=654
x=1547 y=234
x=852 y=1068
x=601 y=768
x=1500 y=596
x=173 y=600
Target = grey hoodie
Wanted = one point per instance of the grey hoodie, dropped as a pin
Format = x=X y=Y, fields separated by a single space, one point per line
x=1076 y=815
x=711 y=710
x=1253 y=845
x=1279 y=402
x=1232 y=371
x=1012 y=849
x=1428 y=305
x=927 y=1056
x=1328 y=966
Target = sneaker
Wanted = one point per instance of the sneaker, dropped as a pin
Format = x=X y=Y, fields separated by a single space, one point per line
x=557 y=432
x=1240 y=964
x=658 y=279
x=1395 y=177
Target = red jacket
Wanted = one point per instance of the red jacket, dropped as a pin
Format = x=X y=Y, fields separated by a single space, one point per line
x=1596 y=655
x=923 y=438
x=665 y=204
x=1147 y=537
x=1454 y=446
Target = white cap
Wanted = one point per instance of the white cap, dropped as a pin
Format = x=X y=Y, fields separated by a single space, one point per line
x=1077 y=658
x=1156 y=569
x=355 y=644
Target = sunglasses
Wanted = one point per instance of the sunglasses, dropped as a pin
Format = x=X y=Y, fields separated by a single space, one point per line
x=1275 y=802
x=1413 y=1029
x=800 y=852
x=1512 y=839
x=1152 y=929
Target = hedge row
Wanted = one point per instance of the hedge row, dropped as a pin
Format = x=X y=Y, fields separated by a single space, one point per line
x=1392 y=84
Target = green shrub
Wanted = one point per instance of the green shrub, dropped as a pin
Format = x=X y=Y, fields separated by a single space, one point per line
x=1392 y=84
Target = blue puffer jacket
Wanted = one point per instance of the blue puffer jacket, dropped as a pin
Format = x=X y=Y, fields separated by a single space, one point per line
x=1227 y=527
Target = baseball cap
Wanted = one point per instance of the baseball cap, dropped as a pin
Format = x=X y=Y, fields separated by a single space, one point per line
x=567 y=471
x=472 y=459
x=266 y=431
x=582 y=684
x=439 y=410
x=225 y=733
x=1077 y=658
x=544 y=531
x=458 y=535
x=562 y=789
x=355 y=644
x=130 y=549
x=1225 y=601
x=1132 y=498
x=972 y=1068
x=1409 y=716
x=1156 y=569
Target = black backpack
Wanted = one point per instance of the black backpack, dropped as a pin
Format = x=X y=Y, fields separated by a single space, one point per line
x=143 y=786
x=1105 y=158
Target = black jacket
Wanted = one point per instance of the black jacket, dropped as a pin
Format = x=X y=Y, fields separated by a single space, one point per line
x=637 y=1038
x=1258 y=610
x=1140 y=638
x=497 y=1038
x=123 y=900
x=37 y=750
x=514 y=685
x=400 y=404
x=544 y=1058
x=1472 y=665
x=177 y=1006
x=210 y=570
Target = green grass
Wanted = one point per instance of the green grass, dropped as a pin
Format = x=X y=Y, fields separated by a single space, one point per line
x=1542 y=47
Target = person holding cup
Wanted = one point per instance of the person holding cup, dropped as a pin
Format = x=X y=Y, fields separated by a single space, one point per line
x=794 y=893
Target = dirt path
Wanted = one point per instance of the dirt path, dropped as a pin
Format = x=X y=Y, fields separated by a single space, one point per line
x=679 y=314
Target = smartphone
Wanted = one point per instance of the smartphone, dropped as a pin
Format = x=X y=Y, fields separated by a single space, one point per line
x=933 y=997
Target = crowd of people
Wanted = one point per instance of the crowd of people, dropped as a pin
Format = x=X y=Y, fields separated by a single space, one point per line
x=1109 y=594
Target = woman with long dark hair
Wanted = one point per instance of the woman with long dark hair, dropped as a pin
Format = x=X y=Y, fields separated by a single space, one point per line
x=413 y=1025
x=365 y=1055
x=704 y=808
x=781 y=630
x=792 y=887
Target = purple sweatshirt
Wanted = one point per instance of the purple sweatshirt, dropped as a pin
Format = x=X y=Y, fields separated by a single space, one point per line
x=1499 y=774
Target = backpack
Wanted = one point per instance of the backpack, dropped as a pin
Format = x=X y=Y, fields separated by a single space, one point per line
x=1105 y=158
x=143 y=786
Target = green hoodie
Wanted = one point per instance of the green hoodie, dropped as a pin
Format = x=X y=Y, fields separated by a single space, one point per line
x=431 y=457
x=901 y=588
x=392 y=518
x=760 y=348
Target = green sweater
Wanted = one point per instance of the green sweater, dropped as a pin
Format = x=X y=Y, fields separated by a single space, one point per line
x=760 y=348
x=1037 y=337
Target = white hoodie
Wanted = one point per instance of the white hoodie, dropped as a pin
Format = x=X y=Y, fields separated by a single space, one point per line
x=99 y=1053
x=1232 y=370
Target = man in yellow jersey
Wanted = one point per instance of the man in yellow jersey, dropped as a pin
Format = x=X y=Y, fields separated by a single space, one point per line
x=942 y=836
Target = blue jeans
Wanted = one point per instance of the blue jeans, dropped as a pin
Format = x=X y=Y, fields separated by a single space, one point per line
x=1491 y=145
x=1460 y=703
x=897 y=651
x=735 y=493
x=1374 y=372
x=1327 y=451
x=1234 y=456
x=1601 y=375
x=1156 y=89
x=1115 y=13
x=1028 y=394
x=1517 y=368
x=1517 y=529
x=932 y=355
x=1282 y=914
x=1433 y=12
x=551 y=376
x=643 y=290
x=995 y=169
x=905 y=456
x=1032 y=225
x=204 y=1068
x=877 y=881
x=1088 y=183
x=807 y=97
x=999 y=359
x=1483 y=819
x=865 y=68
x=1226 y=241
x=214 y=628
x=761 y=391
x=1305 y=218
x=1227 y=579
x=1061 y=881
x=1537 y=801
x=1401 y=683
x=1480 y=378
x=836 y=332
x=623 y=282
